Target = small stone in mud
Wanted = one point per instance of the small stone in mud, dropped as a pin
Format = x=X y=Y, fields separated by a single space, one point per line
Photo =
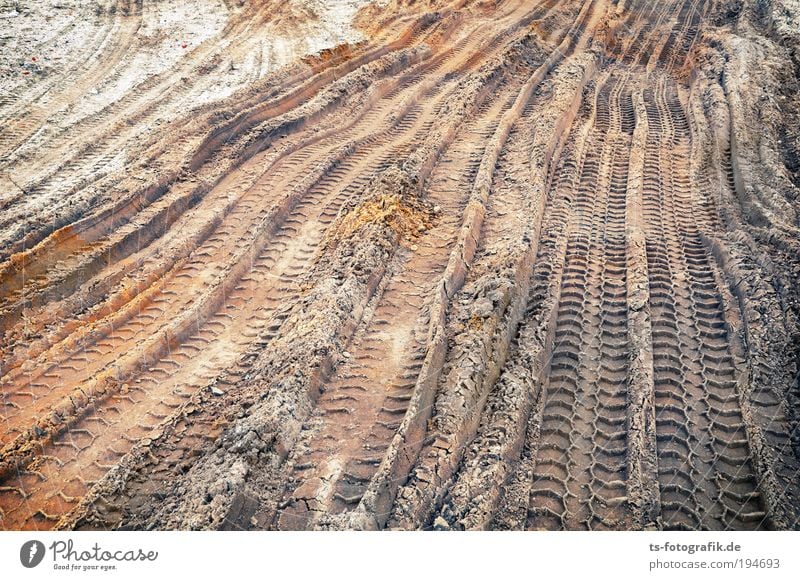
x=217 y=392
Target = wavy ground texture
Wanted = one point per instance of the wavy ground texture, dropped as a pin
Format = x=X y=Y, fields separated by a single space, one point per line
x=406 y=264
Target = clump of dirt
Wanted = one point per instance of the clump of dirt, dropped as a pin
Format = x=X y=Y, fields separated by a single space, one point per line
x=338 y=53
x=394 y=204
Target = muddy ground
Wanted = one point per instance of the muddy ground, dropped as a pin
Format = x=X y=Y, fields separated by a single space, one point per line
x=400 y=265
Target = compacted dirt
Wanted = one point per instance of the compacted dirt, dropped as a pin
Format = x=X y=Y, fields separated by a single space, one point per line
x=404 y=264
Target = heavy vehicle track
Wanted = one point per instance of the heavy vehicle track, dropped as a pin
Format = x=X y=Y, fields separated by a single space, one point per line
x=501 y=265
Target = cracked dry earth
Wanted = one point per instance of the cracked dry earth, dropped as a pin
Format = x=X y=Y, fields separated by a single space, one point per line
x=405 y=265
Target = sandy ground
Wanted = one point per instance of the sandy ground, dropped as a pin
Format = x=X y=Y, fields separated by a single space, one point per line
x=404 y=265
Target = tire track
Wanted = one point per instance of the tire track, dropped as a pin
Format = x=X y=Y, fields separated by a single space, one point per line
x=456 y=412
x=23 y=123
x=212 y=251
x=373 y=389
x=705 y=474
x=249 y=310
x=205 y=267
x=87 y=166
x=148 y=400
x=579 y=475
x=92 y=253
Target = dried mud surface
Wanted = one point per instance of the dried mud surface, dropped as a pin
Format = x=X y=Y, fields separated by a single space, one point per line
x=400 y=265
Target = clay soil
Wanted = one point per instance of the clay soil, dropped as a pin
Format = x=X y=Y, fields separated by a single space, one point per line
x=400 y=265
